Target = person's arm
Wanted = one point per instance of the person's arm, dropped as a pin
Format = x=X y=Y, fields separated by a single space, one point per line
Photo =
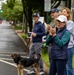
x=49 y=38
x=42 y=33
x=65 y=38
x=70 y=27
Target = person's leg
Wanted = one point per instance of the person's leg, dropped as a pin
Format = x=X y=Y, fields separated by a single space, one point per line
x=69 y=63
x=65 y=70
x=31 y=55
x=31 y=50
x=53 y=69
x=60 y=64
x=49 y=50
x=38 y=48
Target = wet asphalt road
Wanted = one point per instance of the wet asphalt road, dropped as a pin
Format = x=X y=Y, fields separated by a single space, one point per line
x=9 y=43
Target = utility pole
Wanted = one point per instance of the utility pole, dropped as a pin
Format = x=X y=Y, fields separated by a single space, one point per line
x=23 y=23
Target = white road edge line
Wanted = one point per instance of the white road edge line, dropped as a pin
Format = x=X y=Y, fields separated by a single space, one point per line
x=13 y=65
x=6 y=59
x=10 y=55
x=12 y=52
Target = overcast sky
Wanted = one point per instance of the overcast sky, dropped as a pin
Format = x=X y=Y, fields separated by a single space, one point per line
x=2 y=0
x=1 y=3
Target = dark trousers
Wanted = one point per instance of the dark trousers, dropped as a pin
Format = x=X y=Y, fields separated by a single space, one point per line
x=57 y=66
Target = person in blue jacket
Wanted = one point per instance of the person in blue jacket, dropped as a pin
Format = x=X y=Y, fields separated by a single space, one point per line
x=59 y=38
x=36 y=38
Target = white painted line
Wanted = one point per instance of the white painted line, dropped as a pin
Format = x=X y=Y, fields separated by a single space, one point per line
x=8 y=63
x=8 y=55
x=4 y=55
x=6 y=59
x=13 y=65
x=12 y=52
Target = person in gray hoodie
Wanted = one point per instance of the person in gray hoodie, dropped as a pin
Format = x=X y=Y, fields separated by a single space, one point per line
x=70 y=26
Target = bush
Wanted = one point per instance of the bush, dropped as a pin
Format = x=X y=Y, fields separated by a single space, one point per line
x=24 y=36
x=17 y=27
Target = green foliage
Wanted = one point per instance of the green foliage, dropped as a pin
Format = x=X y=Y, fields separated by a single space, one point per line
x=73 y=61
x=17 y=27
x=15 y=13
x=11 y=3
x=45 y=58
x=24 y=36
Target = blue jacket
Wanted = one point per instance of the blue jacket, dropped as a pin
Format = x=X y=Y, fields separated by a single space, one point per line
x=40 y=32
x=59 y=44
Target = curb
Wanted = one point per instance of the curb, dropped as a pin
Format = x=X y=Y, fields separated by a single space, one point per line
x=20 y=36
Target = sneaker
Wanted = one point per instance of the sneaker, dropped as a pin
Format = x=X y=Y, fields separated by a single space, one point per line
x=31 y=73
x=41 y=73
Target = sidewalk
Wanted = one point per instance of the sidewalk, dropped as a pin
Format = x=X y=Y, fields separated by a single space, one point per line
x=9 y=40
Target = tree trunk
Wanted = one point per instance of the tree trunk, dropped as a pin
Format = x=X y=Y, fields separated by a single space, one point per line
x=30 y=18
x=24 y=12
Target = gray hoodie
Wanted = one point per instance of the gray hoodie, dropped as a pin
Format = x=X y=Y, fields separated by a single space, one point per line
x=70 y=27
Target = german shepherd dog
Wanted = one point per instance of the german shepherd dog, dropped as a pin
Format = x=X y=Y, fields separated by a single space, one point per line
x=26 y=62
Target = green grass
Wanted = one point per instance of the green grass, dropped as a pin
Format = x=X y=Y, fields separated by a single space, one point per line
x=73 y=61
x=45 y=57
x=24 y=36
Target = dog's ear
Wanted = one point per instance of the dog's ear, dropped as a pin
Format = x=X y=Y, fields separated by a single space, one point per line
x=13 y=55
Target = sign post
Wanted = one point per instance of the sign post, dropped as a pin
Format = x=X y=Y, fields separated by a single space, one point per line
x=47 y=8
x=47 y=5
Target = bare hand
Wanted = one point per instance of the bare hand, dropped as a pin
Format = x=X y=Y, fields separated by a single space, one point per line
x=48 y=27
x=50 y=31
x=53 y=32
x=33 y=34
x=30 y=39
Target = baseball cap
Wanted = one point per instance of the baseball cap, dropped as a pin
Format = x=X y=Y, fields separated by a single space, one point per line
x=62 y=18
x=36 y=15
x=54 y=10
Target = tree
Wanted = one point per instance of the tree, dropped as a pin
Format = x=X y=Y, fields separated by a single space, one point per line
x=15 y=13
x=11 y=3
x=32 y=6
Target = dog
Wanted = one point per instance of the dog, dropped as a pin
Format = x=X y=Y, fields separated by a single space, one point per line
x=26 y=62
